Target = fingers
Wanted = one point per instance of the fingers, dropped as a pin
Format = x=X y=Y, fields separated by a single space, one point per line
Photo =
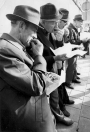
x=37 y=42
x=34 y=41
x=63 y=57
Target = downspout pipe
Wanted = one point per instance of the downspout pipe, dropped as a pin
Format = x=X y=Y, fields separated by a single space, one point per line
x=77 y=5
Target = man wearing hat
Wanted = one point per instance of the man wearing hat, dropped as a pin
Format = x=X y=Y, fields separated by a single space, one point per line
x=61 y=27
x=49 y=18
x=74 y=38
x=23 y=102
x=65 y=36
x=63 y=23
x=61 y=35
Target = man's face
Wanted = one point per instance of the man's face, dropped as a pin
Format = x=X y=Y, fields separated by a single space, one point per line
x=50 y=25
x=79 y=24
x=27 y=34
x=62 y=23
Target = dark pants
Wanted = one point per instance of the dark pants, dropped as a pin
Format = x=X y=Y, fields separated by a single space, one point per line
x=71 y=70
x=63 y=96
x=54 y=100
x=58 y=98
x=75 y=68
x=86 y=46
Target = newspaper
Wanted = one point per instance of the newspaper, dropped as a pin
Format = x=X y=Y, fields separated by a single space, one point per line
x=84 y=35
x=52 y=82
x=77 y=52
x=67 y=49
x=61 y=50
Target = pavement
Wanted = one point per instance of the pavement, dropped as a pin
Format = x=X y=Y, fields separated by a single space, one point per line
x=80 y=111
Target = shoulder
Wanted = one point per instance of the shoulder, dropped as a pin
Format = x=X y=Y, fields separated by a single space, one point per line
x=9 y=48
x=3 y=43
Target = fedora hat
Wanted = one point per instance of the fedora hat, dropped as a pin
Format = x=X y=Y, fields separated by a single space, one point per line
x=78 y=18
x=65 y=13
x=49 y=12
x=25 y=13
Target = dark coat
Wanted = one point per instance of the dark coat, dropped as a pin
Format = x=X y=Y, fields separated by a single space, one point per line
x=47 y=53
x=48 y=44
x=21 y=78
x=74 y=35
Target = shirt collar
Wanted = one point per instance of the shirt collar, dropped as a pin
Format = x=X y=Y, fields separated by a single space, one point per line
x=13 y=40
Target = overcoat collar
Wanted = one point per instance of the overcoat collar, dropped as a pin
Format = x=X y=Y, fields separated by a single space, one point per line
x=27 y=58
x=42 y=35
x=12 y=40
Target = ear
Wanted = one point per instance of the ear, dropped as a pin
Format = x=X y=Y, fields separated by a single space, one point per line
x=45 y=22
x=22 y=25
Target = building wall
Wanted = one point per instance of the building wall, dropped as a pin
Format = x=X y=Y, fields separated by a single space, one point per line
x=7 y=6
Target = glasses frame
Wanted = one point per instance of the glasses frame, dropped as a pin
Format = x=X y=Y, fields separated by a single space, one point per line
x=65 y=21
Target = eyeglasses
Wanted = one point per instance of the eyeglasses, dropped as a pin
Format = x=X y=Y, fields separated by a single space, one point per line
x=64 y=21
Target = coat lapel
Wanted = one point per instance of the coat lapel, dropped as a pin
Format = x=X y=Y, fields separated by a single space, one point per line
x=27 y=58
x=44 y=39
x=53 y=39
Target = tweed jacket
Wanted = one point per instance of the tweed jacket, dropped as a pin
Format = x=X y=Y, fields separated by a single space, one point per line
x=74 y=35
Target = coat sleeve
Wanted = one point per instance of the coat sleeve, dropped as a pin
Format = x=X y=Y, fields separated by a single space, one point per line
x=49 y=57
x=14 y=71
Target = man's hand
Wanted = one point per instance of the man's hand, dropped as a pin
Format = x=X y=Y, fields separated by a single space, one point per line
x=81 y=47
x=58 y=34
x=66 y=31
x=60 y=57
x=85 y=40
x=37 y=47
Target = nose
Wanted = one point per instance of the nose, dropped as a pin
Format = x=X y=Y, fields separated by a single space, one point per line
x=56 y=24
x=34 y=35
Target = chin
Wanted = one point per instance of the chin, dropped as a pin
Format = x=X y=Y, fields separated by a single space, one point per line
x=50 y=31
